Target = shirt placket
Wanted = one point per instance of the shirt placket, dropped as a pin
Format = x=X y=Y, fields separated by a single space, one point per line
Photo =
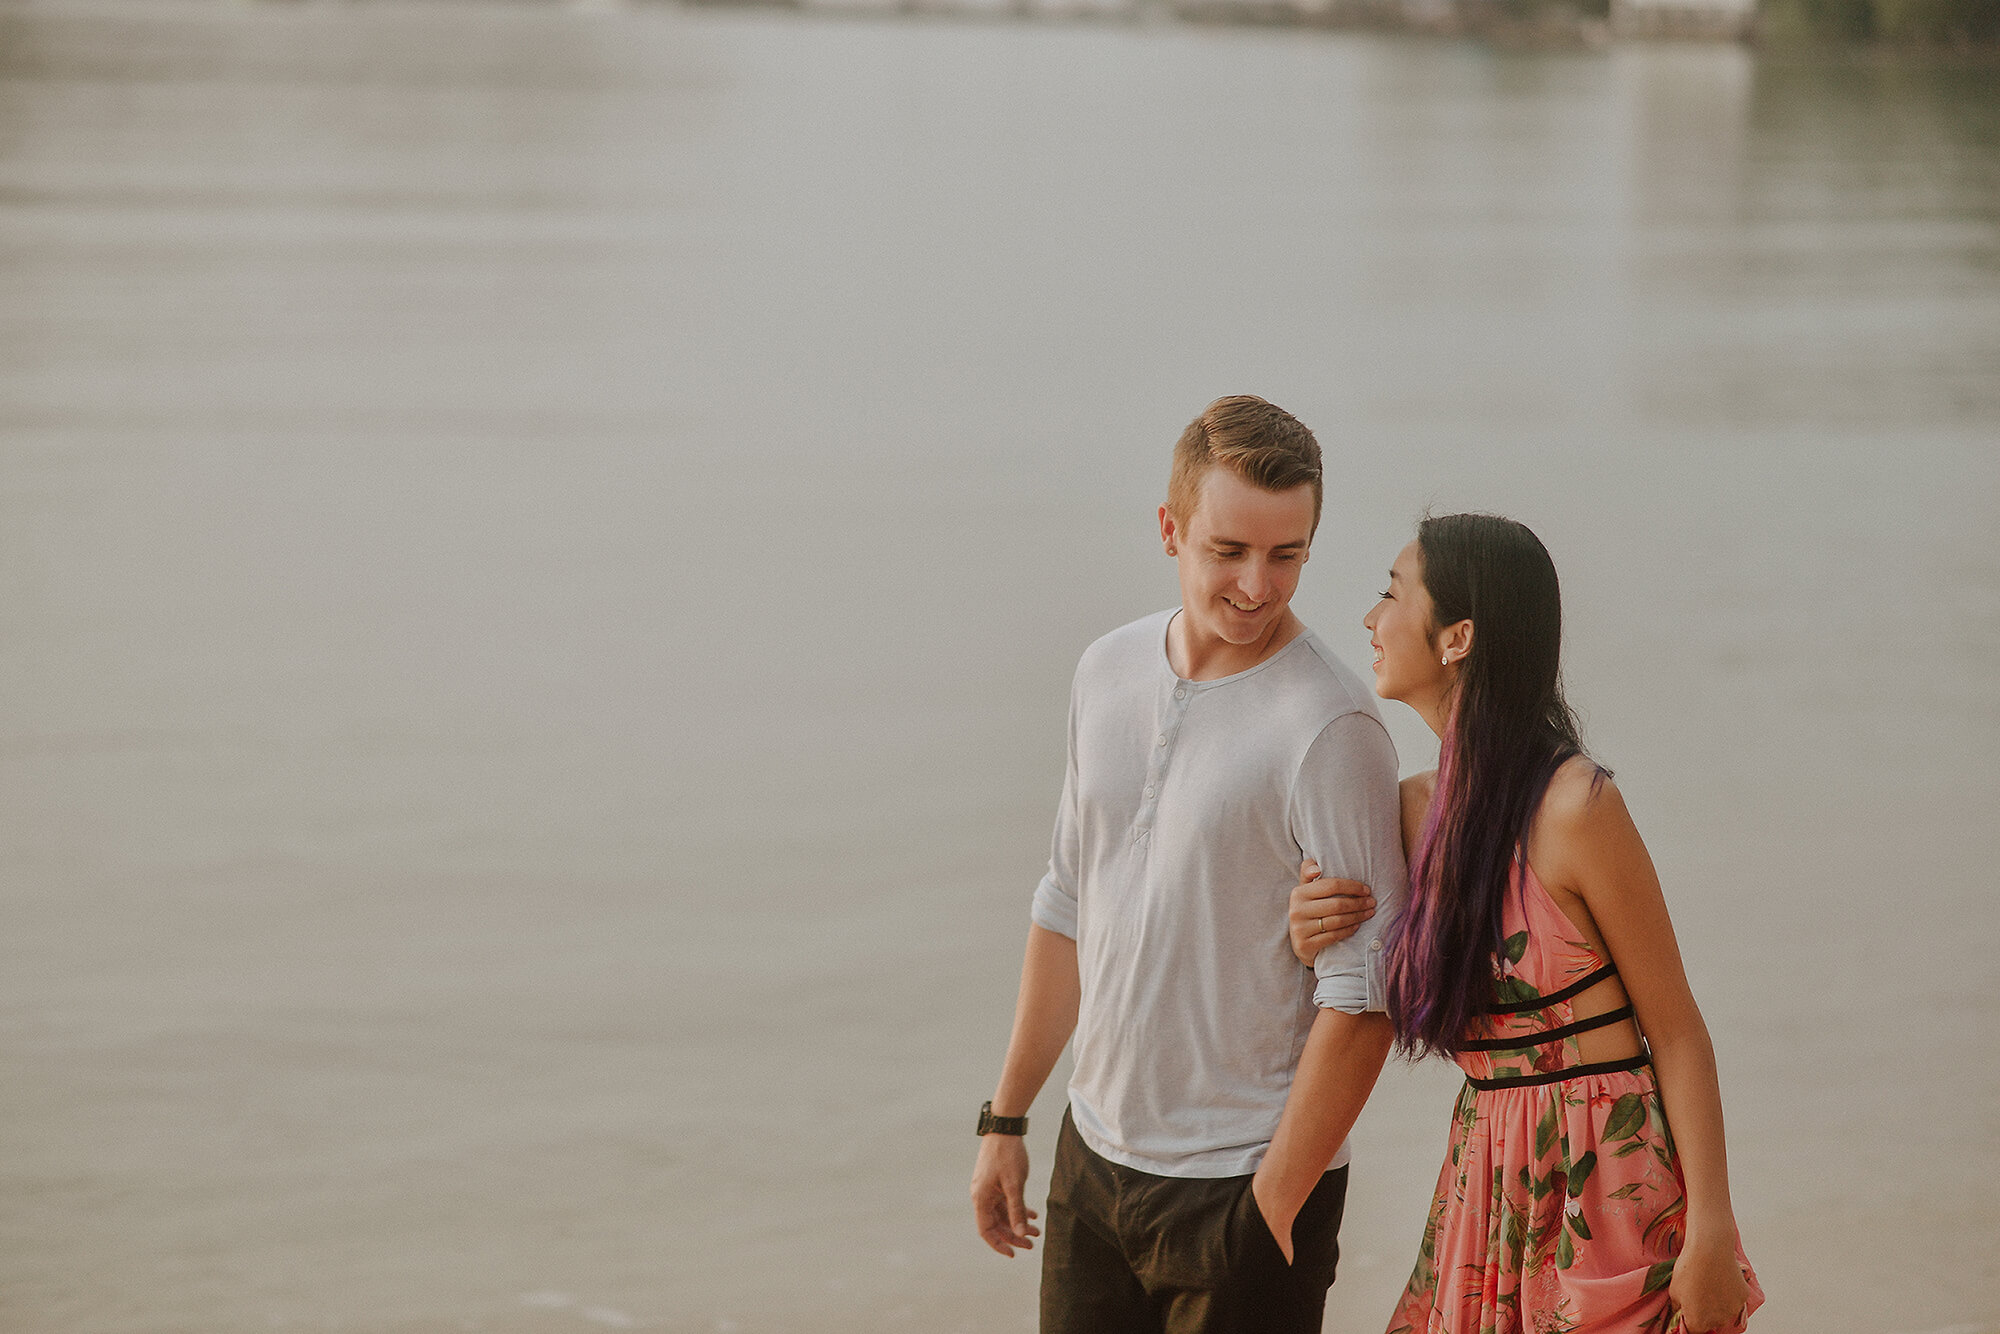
x=1171 y=717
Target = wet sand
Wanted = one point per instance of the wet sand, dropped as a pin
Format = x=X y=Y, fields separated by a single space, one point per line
x=541 y=554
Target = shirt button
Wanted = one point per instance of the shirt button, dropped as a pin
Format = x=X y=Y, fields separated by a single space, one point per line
x=1375 y=945
x=1163 y=738
x=1181 y=693
x=1149 y=794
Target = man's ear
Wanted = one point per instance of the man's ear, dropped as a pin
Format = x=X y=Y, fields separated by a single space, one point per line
x=1454 y=642
x=1169 y=530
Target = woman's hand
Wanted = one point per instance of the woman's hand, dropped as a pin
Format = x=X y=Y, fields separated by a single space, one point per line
x=1325 y=911
x=1709 y=1287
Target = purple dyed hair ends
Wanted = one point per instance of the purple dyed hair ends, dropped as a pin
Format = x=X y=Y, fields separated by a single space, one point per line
x=1510 y=730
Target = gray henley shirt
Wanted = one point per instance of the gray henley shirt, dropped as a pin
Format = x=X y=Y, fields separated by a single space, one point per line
x=1186 y=810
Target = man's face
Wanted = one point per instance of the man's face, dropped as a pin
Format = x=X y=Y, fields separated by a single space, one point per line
x=1239 y=554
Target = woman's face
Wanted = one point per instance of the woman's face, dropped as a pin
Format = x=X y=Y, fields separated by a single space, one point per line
x=1400 y=630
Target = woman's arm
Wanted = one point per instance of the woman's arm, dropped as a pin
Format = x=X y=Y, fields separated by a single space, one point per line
x=1585 y=841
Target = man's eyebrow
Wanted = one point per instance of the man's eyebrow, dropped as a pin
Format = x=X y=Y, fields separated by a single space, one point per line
x=1299 y=545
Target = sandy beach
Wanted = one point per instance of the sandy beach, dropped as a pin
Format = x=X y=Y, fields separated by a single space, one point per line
x=541 y=554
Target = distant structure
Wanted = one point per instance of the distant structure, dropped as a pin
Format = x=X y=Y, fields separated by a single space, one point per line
x=1552 y=22
x=1701 y=20
x=1523 y=22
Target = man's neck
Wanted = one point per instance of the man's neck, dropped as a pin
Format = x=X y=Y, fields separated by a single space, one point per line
x=1206 y=658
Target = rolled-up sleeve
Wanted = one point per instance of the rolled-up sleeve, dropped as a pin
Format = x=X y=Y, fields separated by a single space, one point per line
x=1055 y=898
x=1346 y=815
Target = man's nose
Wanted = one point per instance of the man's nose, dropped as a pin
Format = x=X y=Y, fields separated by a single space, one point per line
x=1257 y=582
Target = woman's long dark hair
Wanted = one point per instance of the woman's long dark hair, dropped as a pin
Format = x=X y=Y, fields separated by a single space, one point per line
x=1508 y=731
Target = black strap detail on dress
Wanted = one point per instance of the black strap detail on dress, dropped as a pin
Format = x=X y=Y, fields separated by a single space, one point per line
x=1576 y=988
x=1547 y=1035
x=1558 y=1076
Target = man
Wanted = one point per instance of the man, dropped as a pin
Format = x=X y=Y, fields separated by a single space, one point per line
x=1200 y=1170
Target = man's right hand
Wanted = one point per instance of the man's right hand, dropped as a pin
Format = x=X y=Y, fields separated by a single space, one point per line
x=999 y=1186
x=1325 y=911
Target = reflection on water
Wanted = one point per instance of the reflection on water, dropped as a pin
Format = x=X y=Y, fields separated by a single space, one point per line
x=541 y=552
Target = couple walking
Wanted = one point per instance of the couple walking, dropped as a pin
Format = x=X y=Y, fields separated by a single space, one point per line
x=1221 y=756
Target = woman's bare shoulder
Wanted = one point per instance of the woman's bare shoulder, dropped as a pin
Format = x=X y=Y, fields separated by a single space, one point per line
x=1582 y=819
x=1580 y=795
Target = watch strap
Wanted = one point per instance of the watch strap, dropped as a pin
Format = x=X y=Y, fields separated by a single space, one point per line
x=990 y=1124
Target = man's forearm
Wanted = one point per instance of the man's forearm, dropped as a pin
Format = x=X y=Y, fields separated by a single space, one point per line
x=1337 y=1071
x=1044 y=1018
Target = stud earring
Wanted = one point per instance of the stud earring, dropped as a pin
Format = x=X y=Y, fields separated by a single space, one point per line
x=1445 y=661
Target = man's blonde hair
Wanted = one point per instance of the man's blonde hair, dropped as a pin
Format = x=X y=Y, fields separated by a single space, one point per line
x=1258 y=441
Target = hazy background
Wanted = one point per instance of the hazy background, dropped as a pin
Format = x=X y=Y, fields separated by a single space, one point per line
x=541 y=555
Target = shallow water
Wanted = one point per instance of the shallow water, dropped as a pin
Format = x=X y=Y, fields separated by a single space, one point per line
x=541 y=554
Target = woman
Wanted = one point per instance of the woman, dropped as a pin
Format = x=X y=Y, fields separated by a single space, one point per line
x=1535 y=951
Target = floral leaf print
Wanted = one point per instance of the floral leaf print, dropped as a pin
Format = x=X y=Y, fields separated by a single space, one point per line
x=1513 y=991
x=1545 y=1130
x=1626 y=1191
x=1665 y=1218
x=1580 y=1171
x=1514 y=1231
x=1628 y=1117
x=1468 y=1117
x=1658 y=1277
x=1565 y=1253
x=1630 y=1149
x=1576 y=1222
x=1514 y=946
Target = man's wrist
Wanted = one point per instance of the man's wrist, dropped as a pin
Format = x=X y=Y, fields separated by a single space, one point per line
x=1279 y=1195
x=989 y=1124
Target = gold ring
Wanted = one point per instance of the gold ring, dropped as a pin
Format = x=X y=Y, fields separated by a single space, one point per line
x=1322 y=926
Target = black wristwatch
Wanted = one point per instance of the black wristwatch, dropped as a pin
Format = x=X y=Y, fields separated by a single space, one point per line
x=990 y=1124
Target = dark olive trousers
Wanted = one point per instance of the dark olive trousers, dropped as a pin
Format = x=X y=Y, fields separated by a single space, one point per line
x=1127 y=1252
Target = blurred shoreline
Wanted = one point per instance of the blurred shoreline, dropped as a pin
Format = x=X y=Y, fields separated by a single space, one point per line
x=1941 y=31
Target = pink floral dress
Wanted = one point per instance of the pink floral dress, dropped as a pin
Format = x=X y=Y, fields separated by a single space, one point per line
x=1560 y=1206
